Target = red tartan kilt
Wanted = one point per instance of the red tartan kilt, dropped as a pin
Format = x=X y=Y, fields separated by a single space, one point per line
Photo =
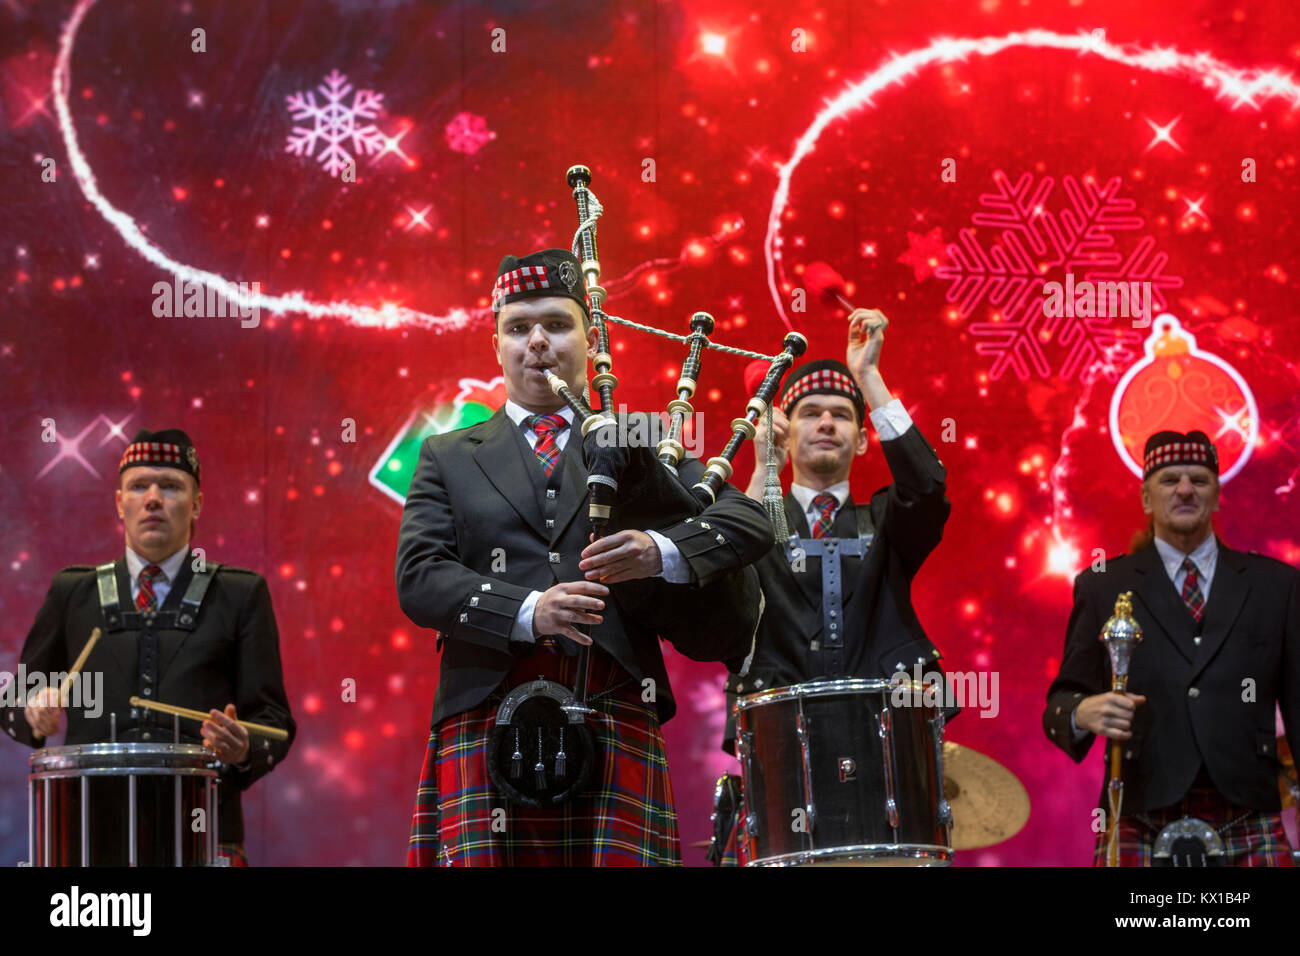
x=234 y=852
x=733 y=853
x=625 y=817
x=1257 y=839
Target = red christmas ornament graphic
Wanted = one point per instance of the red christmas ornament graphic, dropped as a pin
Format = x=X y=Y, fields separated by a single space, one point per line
x=1180 y=387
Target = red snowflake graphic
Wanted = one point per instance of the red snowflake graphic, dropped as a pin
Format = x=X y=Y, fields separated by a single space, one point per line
x=468 y=132
x=1038 y=245
x=925 y=253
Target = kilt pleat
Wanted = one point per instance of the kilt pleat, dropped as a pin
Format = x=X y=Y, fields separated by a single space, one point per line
x=625 y=817
x=1256 y=839
x=733 y=851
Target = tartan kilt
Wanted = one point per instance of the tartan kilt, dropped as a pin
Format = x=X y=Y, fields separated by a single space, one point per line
x=733 y=853
x=734 y=849
x=625 y=817
x=233 y=852
x=1257 y=839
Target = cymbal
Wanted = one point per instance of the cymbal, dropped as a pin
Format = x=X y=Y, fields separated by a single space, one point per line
x=989 y=804
x=1286 y=779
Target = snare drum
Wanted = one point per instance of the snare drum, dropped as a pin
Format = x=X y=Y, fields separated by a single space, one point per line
x=122 y=804
x=843 y=772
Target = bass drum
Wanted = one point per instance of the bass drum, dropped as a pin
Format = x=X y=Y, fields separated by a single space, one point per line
x=843 y=772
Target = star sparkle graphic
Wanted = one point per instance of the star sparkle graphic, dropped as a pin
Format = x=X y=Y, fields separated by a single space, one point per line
x=419 y=218
x=1162 y=134
x=69 y=448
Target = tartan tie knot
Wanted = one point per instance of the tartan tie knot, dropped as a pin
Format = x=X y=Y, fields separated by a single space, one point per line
x=1189 y=566
x=546 y=424
x=146 y=600
x=825 y=503
x=547 y=449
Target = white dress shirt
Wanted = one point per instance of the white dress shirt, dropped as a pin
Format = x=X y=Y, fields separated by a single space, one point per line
x=675 y=569
x=890 y=420
x=162 y=586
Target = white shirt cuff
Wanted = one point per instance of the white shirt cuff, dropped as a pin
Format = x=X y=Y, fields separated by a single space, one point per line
x=676 y=570
x=523 y=629
x=1074 y=728
x=890 y=420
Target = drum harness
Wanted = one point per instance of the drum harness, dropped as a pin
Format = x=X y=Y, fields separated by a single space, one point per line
x=831 y=551
x=148 y=623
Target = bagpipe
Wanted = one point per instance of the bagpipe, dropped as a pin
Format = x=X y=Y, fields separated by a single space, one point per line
x=542 y=749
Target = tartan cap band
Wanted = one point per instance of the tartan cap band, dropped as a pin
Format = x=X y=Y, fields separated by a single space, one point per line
x=827 y=377
x=169 y=448
x=1174 y=448
x=550 y=272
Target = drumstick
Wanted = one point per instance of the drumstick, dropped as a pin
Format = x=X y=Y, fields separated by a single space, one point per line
x=829 y=284
x=76 y=668
x=273 y=732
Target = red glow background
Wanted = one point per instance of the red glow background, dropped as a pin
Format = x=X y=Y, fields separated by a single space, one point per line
x=192 y=146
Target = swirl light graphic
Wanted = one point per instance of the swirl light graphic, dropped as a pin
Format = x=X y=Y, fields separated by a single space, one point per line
x=387 y=317
x=1244 y=87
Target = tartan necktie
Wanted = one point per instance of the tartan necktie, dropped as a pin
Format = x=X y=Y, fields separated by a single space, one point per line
x=546 y=427
x=1192 y=595
x=146 y=600
x=826 y=504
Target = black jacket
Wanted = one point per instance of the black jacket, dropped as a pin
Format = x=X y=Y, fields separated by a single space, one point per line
x=231 y=656
x=1209 y=704
x=474 y=544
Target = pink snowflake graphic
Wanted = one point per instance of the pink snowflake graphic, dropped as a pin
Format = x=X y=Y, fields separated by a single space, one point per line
x=1038 y=245
x=468 y=132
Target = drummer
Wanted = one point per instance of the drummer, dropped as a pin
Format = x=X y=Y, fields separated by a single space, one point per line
x=177 y=629
x=868 y=630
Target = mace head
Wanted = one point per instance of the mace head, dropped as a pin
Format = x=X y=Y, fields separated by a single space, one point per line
x=1121 y=633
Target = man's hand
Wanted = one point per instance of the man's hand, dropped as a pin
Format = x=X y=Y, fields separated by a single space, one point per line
x=624 y=556
x=1110 y=714
x=566 y=604
x=224 y=736
x=781 y=429
x=42 y=711
x=866 y=339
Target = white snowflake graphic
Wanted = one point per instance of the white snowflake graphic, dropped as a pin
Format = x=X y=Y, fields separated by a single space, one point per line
x=335 y=123
x=1037 y=245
